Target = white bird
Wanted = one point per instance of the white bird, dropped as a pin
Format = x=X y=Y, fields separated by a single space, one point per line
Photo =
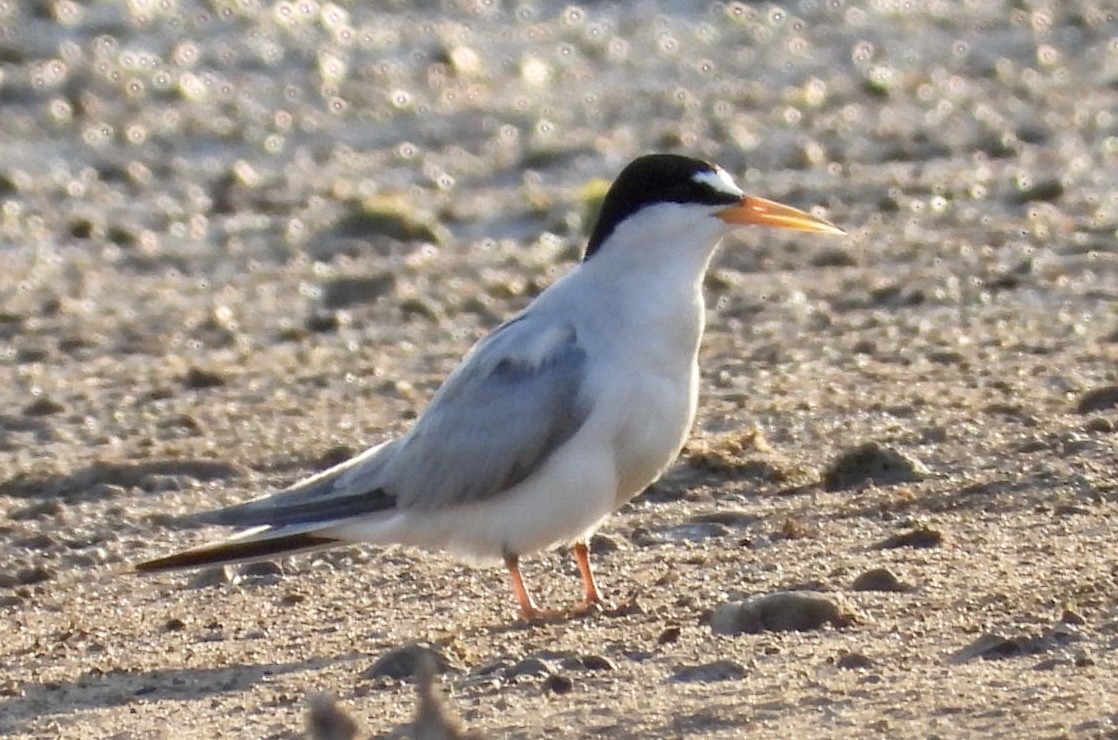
x=555 y=419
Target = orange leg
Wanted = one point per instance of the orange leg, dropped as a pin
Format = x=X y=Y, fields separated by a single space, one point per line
x=528 y=608
x=590 y=588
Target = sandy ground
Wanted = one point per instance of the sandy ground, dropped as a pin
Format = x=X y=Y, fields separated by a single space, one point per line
x=240 y=241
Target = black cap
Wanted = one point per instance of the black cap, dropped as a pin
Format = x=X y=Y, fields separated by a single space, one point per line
x=657 y=178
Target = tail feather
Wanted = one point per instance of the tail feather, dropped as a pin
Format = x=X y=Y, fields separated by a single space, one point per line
x=245 y=548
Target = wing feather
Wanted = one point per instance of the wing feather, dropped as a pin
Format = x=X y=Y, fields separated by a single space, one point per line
x=515 y=399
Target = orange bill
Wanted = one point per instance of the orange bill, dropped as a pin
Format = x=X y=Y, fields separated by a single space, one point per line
x=761 y=212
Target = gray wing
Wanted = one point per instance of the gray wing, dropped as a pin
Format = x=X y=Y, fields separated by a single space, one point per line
x=515 y=399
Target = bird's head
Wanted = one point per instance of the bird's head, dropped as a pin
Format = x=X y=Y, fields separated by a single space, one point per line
x=697 y=196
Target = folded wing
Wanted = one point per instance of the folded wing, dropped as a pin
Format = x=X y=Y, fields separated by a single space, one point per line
x=515 y=399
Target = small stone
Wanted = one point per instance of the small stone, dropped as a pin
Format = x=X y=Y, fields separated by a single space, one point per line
x=1046 y=190
x=198 y=379
x=558 y=684
x=718 y=670
x=919 y=537
x=603 y=543
x=36 y=542
x=1098 y=399
x=293 y=598
x=1084 y=660
x=1049 y=664
x=174 y=624
x=1100 y=425
x=415 y=306
x=874 y=464
x=322 y=321
x=104 y=492
x=405 y=662
x=783 y=611
x=794 y=529
x=1070 y=616
x=394 y=216
x=879 y=579
x=642 y=537
x=43 y=406
x=988 y=646
x=31 y=576
x=350 y=290
x=727 y=518
x=853 y=661
x=669 y=635
x=598 y=663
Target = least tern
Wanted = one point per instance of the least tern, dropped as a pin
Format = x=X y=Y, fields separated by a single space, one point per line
x=552 y=421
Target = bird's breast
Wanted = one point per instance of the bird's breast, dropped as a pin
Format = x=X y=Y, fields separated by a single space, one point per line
x=659 y=409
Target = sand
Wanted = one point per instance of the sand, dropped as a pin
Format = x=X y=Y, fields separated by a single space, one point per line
x=242 y=241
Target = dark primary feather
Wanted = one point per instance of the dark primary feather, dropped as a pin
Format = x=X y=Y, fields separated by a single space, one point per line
x=316 y=499
x=239 y=551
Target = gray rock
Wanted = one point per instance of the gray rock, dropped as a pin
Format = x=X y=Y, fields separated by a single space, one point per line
x=718 y=670
x=784 y=611
x=879 y=579
x=918 y=537
x=407 y=662
x=875 y=464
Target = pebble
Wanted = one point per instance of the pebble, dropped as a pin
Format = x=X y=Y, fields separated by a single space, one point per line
x=872 y=464
x=603 y=543
x=718 y=670
x=558 y=684
x=43 y=406
x=594 y=662
x=198 y=379
x=918 y=537
x=669 y=635
x=988 y=646
x=853 y=661
x=353 y=289
x=727 y=518
x=783 y=611
x=406 y=662
x=879 y=579
x=1098 y=399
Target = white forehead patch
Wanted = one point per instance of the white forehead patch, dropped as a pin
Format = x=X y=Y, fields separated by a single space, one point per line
x=719 y=180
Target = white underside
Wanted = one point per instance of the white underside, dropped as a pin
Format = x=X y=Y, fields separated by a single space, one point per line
x=613 y=457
